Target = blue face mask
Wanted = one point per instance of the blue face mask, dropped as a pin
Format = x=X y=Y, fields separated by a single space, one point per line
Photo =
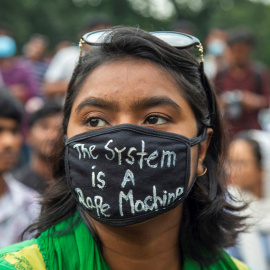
x=7 y=47
x=127 y=174
x=216 y=47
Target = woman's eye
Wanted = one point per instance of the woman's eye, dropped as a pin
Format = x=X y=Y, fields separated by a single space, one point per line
x=96 y=122
x=155 y=120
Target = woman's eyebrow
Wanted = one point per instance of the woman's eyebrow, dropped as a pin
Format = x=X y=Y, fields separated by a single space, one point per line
x=97 y=102
x=154 y=101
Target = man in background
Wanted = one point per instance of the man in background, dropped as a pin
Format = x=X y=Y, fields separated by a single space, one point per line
x=15 y=74
x=61 y=67
x=243 y=86
x=18 y=207
x=44 y=127
x=216 y=47
x=35 y=54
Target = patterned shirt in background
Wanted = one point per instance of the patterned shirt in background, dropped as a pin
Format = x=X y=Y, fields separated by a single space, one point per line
x=19 y=208
x=37 y=70
x=19 y=73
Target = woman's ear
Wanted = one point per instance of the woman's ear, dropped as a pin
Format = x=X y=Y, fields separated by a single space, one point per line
x=203 y=146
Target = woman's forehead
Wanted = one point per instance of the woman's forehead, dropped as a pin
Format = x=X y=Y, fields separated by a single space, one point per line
x=128 y=92
x=129 y=78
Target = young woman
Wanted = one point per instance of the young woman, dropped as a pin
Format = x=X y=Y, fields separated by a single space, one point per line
x=249 y=173
x=140 y=182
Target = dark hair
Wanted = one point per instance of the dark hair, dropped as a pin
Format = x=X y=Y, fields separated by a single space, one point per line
x=209 y=222
x=241 y=34
x=48 y=108
x=255 y=146
x=10 y=107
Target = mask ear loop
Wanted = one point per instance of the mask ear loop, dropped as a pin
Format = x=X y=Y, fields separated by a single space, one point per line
x=196 y=140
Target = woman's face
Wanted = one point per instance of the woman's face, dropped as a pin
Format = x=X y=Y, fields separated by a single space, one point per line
x=140 y=93
x=244 y=170
x=134 y=92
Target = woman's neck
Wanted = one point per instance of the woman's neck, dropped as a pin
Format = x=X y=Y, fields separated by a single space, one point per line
x=153 y=244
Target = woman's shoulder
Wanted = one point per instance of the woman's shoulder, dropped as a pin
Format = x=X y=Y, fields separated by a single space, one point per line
x=25 y=255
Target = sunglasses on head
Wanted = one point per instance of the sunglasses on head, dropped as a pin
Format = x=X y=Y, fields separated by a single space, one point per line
x=176 y=39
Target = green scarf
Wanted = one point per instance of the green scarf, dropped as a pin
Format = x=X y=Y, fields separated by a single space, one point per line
x=77 y=249
x=73 y=250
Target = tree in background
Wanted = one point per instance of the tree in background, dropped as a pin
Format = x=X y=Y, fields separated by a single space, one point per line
x=60 y=19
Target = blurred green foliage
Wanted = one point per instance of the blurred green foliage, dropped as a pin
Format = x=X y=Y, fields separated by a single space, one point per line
x=63 y=19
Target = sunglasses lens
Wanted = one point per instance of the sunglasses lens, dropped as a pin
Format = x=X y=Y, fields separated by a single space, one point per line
x=176 y=39
x=97 y=37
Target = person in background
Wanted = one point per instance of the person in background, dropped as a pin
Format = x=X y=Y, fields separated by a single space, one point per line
x=62 y=64
x=35 y=53
x=16 y=75
x=139 y=184
x=243 y=86
x=216 y=47
x=248 y=173
x=18 y=206
x=44 y=126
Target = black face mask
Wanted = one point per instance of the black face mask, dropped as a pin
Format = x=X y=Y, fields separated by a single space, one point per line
x=127 y=174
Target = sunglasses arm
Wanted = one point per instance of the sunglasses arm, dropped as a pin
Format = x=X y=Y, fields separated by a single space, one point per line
x=80 y=46
x=200 y=47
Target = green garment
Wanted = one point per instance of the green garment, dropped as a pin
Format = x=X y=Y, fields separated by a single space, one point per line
x=75 y=250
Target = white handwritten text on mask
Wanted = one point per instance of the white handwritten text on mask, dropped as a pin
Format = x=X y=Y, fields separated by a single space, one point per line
x=132 y=153
x=126 y=201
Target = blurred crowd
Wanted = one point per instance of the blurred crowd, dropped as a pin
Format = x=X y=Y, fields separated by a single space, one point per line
x=32 y=90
